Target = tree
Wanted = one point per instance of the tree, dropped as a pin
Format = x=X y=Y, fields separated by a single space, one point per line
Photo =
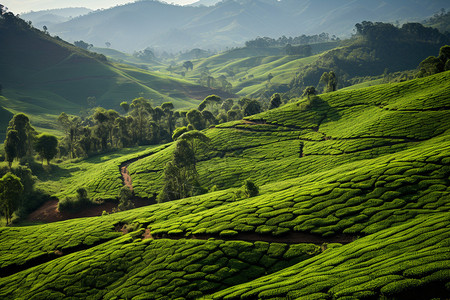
x=194 y=138
x=168 y=107
x=227 y=105
x=234 y=114
x=309 y=91
x=83 y=45
x=125 y=106
x=329 y=80
x=251 y=108
x=72 y=126
x=178 y=132
x=23 y=139
x=108 y=44
x=11 y=145
x=275 y=101
x=47 y=146
x=430 y=66
x=250 y=189
x=125 y=197
x=188 y=65
x=10 y=191
x=180 y=174
x=195 y=118
x=269 y=77
x=45 y=28
x=212 y=101
x=141 y=111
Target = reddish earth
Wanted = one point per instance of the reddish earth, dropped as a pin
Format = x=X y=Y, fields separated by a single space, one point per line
x=126 y=177
x=48 y=212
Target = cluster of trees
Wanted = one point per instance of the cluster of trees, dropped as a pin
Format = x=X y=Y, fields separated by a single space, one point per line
x=143 y=124
x=104 y=129
x=376 y=49
x=220 y=82
x=381 y=32
x=180 y=174
x=266 y=42
x=11 y=189
x=303 y=50
x=146 y=55
x=433 y=65
x=83 y=45
x=22 y=140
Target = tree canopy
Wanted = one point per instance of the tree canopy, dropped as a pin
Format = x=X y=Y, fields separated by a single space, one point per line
x=11 y=189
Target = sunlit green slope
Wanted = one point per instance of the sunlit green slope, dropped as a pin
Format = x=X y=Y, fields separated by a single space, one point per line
x=247 y=69
x=373 y=174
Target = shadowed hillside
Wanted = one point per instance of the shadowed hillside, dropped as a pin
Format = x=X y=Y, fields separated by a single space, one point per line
x=42 y=76
x=231 y=22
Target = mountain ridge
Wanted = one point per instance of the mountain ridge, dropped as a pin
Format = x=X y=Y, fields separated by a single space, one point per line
x=260 y=18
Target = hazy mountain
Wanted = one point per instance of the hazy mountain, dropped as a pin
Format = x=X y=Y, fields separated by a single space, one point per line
x=54 y=16
x=154 y=24
x=205 y=2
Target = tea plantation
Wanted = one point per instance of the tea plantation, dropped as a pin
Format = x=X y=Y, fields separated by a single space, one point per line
x=354 y=203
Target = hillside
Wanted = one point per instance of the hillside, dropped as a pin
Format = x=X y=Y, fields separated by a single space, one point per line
x=232 y=22
x=43 y=76
x=354 y=203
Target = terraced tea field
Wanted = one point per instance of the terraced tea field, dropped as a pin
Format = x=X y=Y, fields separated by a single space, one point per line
x=354 y=203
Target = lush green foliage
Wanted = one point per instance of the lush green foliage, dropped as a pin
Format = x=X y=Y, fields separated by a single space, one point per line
x=404 y=262
x=368 y=167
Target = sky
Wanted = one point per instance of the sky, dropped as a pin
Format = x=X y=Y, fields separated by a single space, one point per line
x=22 y=6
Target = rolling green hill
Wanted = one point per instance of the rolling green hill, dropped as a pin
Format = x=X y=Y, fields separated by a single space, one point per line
x=354 y=203
x=247 y=69
x=44 y=76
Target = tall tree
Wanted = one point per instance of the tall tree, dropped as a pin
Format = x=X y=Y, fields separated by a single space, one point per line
x=275 y=101
x=168 y=107
x=25 y=135
x=180 y=174
x=252 y=107
x=47 y=146
x=141 y=111
x=195 y=118
x=188 y=65
x=125 y=106
x=195 y=138
x=11 y=145
x=72 y=126
x=10 y=191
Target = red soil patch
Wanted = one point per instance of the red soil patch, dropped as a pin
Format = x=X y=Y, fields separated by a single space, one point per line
x=48 y=212
x=126 y=177
x=147 y=235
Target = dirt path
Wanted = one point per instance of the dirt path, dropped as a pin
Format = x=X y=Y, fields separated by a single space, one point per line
x=49 y=212
x=126 y=177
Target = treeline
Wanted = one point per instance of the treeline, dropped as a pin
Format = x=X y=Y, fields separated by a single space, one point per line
x=23 y=142
x=382 y=32
x=377 y=49
x=266 y=42
x=142 y=124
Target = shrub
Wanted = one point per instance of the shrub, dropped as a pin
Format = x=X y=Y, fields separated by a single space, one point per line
x=250 y=189
x=76 y=204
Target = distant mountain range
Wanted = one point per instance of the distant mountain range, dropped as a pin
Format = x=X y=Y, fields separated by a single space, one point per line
x=150 y=23
x=54 y=16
